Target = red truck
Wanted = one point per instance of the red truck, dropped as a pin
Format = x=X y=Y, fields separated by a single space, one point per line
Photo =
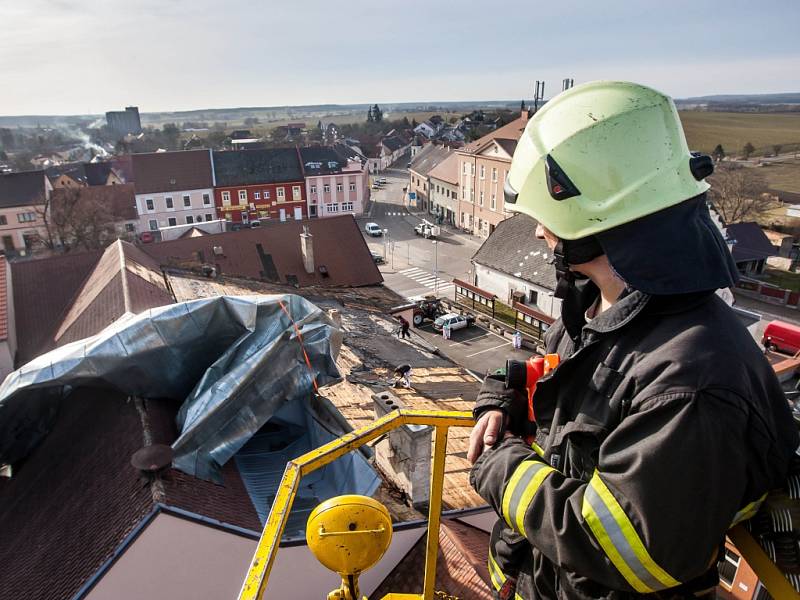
x=781 y=336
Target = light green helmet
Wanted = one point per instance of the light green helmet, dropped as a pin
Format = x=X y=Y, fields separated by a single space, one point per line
x=602 y=154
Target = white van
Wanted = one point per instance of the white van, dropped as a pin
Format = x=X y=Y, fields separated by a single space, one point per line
x=373 y=229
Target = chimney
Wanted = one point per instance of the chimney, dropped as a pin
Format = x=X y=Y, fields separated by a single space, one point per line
x=404 y=456
x=307 y=249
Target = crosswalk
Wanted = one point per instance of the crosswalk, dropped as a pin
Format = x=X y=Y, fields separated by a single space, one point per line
x=427 y=279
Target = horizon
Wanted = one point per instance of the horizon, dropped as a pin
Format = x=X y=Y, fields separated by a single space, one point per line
x=60 y=59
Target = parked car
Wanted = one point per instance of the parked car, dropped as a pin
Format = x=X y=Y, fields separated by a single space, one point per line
x=377 y=186
x=381 y=180
x=255 y=224
x=781 y=336
x=427 y=230
x=454 y=321
x=373 y=229
x=378 y=258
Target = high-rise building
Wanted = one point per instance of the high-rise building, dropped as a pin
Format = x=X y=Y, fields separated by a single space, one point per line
x=123 y=122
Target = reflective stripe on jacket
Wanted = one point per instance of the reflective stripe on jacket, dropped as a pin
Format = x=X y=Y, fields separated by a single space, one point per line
x=661 y=427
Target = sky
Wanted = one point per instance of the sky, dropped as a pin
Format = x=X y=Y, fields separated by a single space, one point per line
x=90 y=56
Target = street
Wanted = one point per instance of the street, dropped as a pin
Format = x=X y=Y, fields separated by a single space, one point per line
x=415 y=266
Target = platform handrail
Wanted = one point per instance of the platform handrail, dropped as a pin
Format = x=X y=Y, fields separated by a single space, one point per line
x=255 y=582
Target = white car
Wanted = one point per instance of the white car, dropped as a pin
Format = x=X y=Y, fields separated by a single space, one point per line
x=373 y=229
x=454 y=321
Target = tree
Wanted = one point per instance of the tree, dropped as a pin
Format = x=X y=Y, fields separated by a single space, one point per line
x=370 y=118
x=719 y=153
x=319 y=125
x=737 y=194
x=748 y=150
x=414 y=123
x=250 y=121
x=171 y=136
x=76 y=218
x=377 y=114
x=777 y=149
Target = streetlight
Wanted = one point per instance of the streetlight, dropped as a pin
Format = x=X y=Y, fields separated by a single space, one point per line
x=385 y=239
x=435 y=267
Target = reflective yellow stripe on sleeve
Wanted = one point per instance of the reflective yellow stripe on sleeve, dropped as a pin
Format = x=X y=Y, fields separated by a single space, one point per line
x=496 y=574
x=619 y=540
x=519 y=493
x=538 y=449
x=748 y=511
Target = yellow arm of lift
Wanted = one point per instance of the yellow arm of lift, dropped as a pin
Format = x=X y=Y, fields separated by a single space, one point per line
x=256 y=581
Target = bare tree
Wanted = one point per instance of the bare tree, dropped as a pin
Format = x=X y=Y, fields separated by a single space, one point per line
x=75 y=219
x=738 y=194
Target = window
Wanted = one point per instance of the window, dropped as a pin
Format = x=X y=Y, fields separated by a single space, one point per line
x=172 y=221
x=266 y=194
x=483 y=172
x=297 y=193
x=480 y=199
x=326 y=188
x=206 y=199
x=533 y=296
x=27 y=217
x=472 y=169
x=256 y=195
x=280 y=194
x=352 y=187
x=463 y=194
x=494 y=174
x=494 y=200
x=242 y=196
x=347 y=206
x=189 y=219
x=728 y=567
x=187 y=201
x=168 y=201
x=226 y=198
x=339 y=187
x=128 y=227
x=149 y=204
x=209 y=217
x=332 y=208
x=3 y=220
x=153 y=225
x=313 y=189
x=464 y=168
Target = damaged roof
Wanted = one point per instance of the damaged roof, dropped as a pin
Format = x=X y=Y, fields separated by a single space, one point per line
x=248 y=167
x=118 y=200
x=26 y=188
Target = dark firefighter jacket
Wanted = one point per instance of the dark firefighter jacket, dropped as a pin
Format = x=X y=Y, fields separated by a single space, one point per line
x=662 y=426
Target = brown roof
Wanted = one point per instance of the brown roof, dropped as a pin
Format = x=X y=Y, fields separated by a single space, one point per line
x=125 y=280
x=511 y=131
x=461 y=569
x=447 y=170
x=119 y=200
x=272 y=253
x=77 y=497
x=172 y=171
x=43 y=289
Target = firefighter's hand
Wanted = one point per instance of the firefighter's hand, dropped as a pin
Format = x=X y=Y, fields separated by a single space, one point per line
x=491 y=424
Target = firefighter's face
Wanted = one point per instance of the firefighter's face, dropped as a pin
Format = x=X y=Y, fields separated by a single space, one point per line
x=543 y=233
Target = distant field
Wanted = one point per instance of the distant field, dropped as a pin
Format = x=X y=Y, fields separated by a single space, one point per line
x=783 y=176
x=704 y=130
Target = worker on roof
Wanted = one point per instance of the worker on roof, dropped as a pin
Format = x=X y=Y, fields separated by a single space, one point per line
x=663 y=425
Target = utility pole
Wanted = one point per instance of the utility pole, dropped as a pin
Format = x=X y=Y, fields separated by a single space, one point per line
x=436 y=267
x=538 y=95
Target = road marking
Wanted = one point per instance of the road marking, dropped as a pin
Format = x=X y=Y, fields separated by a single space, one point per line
x=464 y=343
x=488 y=350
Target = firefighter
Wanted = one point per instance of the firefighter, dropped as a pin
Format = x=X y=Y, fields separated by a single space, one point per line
x=663 y=424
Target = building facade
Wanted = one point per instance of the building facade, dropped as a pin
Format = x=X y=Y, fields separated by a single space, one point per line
x=482 y=170
x=335 y=184
x=124 y=122
x=173 y=188
x=23 y=200
x=256 y=185
x=443 y=181
x=419 y=182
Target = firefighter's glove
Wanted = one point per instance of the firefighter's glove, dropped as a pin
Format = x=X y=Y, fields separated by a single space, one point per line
x=495 y=466
x=495 y=395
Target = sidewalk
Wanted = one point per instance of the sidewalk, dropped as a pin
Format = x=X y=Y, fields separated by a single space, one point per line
x=767 y=310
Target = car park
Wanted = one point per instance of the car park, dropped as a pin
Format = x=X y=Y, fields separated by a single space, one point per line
x=453 y=321
x=373 y=229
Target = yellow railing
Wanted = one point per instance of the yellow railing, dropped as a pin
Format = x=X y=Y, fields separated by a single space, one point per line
x=258 y=574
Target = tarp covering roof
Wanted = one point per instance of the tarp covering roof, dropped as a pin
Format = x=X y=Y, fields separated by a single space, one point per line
x=233 y=361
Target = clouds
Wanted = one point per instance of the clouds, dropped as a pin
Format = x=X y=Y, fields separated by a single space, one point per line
x=60 y=56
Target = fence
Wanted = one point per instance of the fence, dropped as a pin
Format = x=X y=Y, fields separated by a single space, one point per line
x=768 y=293
x=475 y=298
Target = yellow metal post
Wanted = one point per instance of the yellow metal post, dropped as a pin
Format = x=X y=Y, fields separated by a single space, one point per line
x=258 y=574
x=434 y=511
x=769 y=574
